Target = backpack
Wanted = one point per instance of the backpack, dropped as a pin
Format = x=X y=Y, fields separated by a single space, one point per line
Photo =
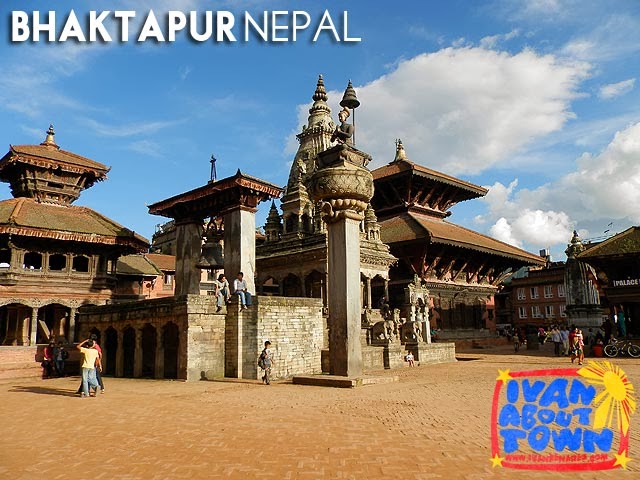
x=261 y=361
x=64 y=354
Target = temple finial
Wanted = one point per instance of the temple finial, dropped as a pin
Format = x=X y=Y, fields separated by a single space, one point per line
x=400 y=153
x=320 y=93
x=50 y=140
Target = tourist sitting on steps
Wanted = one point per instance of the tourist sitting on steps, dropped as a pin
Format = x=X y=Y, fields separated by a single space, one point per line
x=240 y=289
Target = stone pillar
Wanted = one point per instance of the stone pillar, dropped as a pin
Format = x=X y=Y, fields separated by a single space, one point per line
x=368 y=288
x=34 y=325
x=71 y=334
x=344 y=187
x=159 y=370
x=137 y=355
x=240 y=245
x=189 y=247
x=120 y=355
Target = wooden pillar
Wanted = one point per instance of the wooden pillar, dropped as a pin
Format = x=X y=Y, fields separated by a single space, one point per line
x=368 y=290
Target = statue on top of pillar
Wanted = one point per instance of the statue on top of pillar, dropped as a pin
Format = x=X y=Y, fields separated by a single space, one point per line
x=343 y=132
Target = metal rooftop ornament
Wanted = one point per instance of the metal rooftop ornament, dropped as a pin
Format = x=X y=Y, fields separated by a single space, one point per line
x=350 y=100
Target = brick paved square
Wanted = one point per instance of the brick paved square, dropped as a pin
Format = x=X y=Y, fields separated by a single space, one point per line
x=433 y=423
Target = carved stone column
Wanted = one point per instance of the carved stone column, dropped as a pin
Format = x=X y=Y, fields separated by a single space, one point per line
x=344 y=186
x=189 y=243
x=71 y=334
x=368 y=289
x=240 y=245
x=34 y=325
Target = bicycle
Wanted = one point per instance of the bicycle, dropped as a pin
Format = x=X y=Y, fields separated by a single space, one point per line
x=622 y=346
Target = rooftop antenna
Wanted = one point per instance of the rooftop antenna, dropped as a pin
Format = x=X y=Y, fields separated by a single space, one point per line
x=213 y=168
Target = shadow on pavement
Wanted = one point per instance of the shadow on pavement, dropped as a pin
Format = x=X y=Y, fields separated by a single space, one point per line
x=44 y=391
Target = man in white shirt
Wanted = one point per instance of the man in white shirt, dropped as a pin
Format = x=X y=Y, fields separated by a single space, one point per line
x=240 y=289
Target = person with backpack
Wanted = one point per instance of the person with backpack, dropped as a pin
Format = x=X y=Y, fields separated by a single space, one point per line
x=265 y=363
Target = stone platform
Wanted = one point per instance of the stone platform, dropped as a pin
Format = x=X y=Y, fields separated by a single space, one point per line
x=337 y=381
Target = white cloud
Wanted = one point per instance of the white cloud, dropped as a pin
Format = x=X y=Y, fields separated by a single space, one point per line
x=465 y=110
x=502 y=231
x=128 y=130
x=146 y=147
x=614 y=37
x=604 y=187
x=492 y=41
x=612 y=90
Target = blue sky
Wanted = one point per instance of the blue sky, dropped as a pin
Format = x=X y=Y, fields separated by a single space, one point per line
x=536 y=100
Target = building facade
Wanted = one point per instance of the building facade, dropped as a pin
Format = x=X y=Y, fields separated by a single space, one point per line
x=54 y=256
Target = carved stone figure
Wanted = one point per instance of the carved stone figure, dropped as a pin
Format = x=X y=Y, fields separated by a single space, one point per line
x=412 y=332
x=343 y=132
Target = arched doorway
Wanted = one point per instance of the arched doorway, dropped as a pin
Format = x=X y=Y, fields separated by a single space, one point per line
x=129 y=351
x=15 y=323
x=110 y=351
x=149 y=344
x=314 y=284
x=291 y=286
x=53 y=323
x=270 y=287
x=171 y=342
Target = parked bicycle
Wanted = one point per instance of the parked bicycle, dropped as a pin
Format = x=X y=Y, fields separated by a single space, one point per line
x=622 y=347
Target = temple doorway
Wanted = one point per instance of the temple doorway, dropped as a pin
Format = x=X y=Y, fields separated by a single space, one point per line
x=171 y=342
x=129 y=351
x=149 y=344
x=110 y=351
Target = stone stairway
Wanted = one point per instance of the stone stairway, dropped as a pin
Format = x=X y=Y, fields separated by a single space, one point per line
x=19 y=362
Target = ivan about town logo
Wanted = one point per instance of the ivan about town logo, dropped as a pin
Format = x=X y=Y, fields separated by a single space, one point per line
x=562 y=419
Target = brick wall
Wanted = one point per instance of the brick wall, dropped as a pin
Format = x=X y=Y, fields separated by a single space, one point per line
x=294 y=326
x=201 y=329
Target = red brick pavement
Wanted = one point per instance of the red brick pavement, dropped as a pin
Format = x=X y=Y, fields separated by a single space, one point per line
x=432 y=424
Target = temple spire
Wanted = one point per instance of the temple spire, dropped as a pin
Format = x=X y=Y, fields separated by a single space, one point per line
x=320 y=94
x=50 y=141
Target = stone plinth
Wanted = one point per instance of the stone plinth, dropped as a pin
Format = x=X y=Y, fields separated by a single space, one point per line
x=339 y=381
x=394 y=355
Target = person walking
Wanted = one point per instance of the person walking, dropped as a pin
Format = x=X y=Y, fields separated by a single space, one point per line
x=564 y=338
x=90 y=363
x=577 y=345
x=265 y=362
x=240 y=289
x=556 y=339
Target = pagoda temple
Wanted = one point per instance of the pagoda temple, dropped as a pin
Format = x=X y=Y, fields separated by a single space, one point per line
x=460 y=268
x=54 y=257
